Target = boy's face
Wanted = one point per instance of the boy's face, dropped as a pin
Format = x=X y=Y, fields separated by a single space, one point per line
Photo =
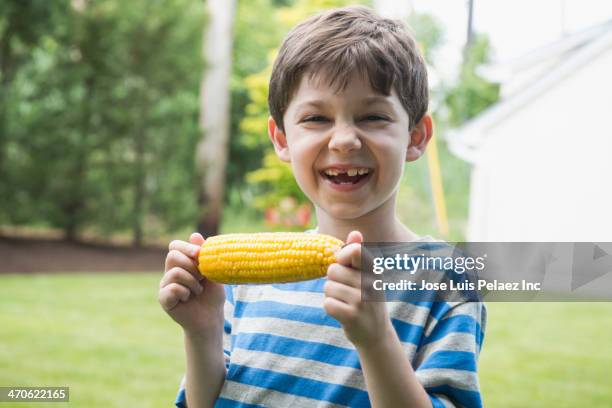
x=347 y=149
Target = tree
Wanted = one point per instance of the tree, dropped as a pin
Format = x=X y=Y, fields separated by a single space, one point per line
x=472 y=93
x=214 y=114
x=106 y=106
x=255 y=34
x=23 y=23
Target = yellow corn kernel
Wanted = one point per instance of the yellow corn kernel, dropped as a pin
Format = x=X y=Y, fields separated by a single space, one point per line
x=267 y=257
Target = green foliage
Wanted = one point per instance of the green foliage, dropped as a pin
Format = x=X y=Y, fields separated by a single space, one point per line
x=472 y=94
x=23 y=25
x=276 y=180
x=255 y=34
x=253 y=126
x=102 y=119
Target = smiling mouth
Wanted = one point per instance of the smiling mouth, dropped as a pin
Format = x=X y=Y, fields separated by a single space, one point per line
x=348 y=176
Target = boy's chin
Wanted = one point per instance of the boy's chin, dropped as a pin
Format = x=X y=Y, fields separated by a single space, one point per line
x=342 y=211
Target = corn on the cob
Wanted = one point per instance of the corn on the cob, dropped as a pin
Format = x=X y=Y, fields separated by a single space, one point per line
x=268 y=257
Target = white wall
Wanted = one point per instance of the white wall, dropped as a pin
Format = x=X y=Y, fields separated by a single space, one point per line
x=546 y=173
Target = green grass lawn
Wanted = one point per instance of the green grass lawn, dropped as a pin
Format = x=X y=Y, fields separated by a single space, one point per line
x=547 y=355
x=106 y=338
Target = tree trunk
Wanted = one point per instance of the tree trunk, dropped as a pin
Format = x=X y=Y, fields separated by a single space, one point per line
x=139 y=180
x=75 y=203
x=73 y=208
x=6 y=72
x=212 y=151
x=469 y=39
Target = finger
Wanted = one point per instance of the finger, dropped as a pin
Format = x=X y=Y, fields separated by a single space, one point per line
x=342 y=292
x=354 y=237
x=197 y=239
x=187 y=248
x=176 y=258
x=339 y=310
x=350 y=255
x=344 y=274
x=172 y=294
x=181 y=276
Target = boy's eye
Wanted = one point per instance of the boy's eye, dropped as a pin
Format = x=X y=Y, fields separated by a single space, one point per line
x=315 y=118
x=375 y=118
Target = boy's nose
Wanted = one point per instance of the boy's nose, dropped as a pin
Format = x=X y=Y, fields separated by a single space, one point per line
x=344 y=139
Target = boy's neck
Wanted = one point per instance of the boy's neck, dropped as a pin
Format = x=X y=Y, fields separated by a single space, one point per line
x=380 y=225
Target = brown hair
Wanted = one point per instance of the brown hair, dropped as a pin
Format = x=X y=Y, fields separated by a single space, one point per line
x=335 y=43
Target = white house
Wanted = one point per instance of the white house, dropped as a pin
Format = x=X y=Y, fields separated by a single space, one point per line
x=542 y=156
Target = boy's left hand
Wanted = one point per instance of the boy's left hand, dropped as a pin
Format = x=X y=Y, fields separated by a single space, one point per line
x=364 y=322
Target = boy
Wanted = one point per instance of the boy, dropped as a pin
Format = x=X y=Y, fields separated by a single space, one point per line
x=348 y=101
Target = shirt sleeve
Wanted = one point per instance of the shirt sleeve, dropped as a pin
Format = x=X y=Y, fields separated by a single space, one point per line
x=228 y=312
x=446 y=360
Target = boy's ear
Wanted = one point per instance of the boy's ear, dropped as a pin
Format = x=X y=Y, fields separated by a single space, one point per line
x=279 y=140
x=420 y=135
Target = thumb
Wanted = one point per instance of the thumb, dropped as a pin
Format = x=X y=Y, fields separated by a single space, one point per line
x=354 y=237
x=350 y=255
x=196 y=238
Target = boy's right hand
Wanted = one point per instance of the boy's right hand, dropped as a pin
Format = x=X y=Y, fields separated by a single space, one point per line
x=191 y=300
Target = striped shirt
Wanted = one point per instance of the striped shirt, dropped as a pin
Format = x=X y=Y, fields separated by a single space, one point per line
x=282 y=350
